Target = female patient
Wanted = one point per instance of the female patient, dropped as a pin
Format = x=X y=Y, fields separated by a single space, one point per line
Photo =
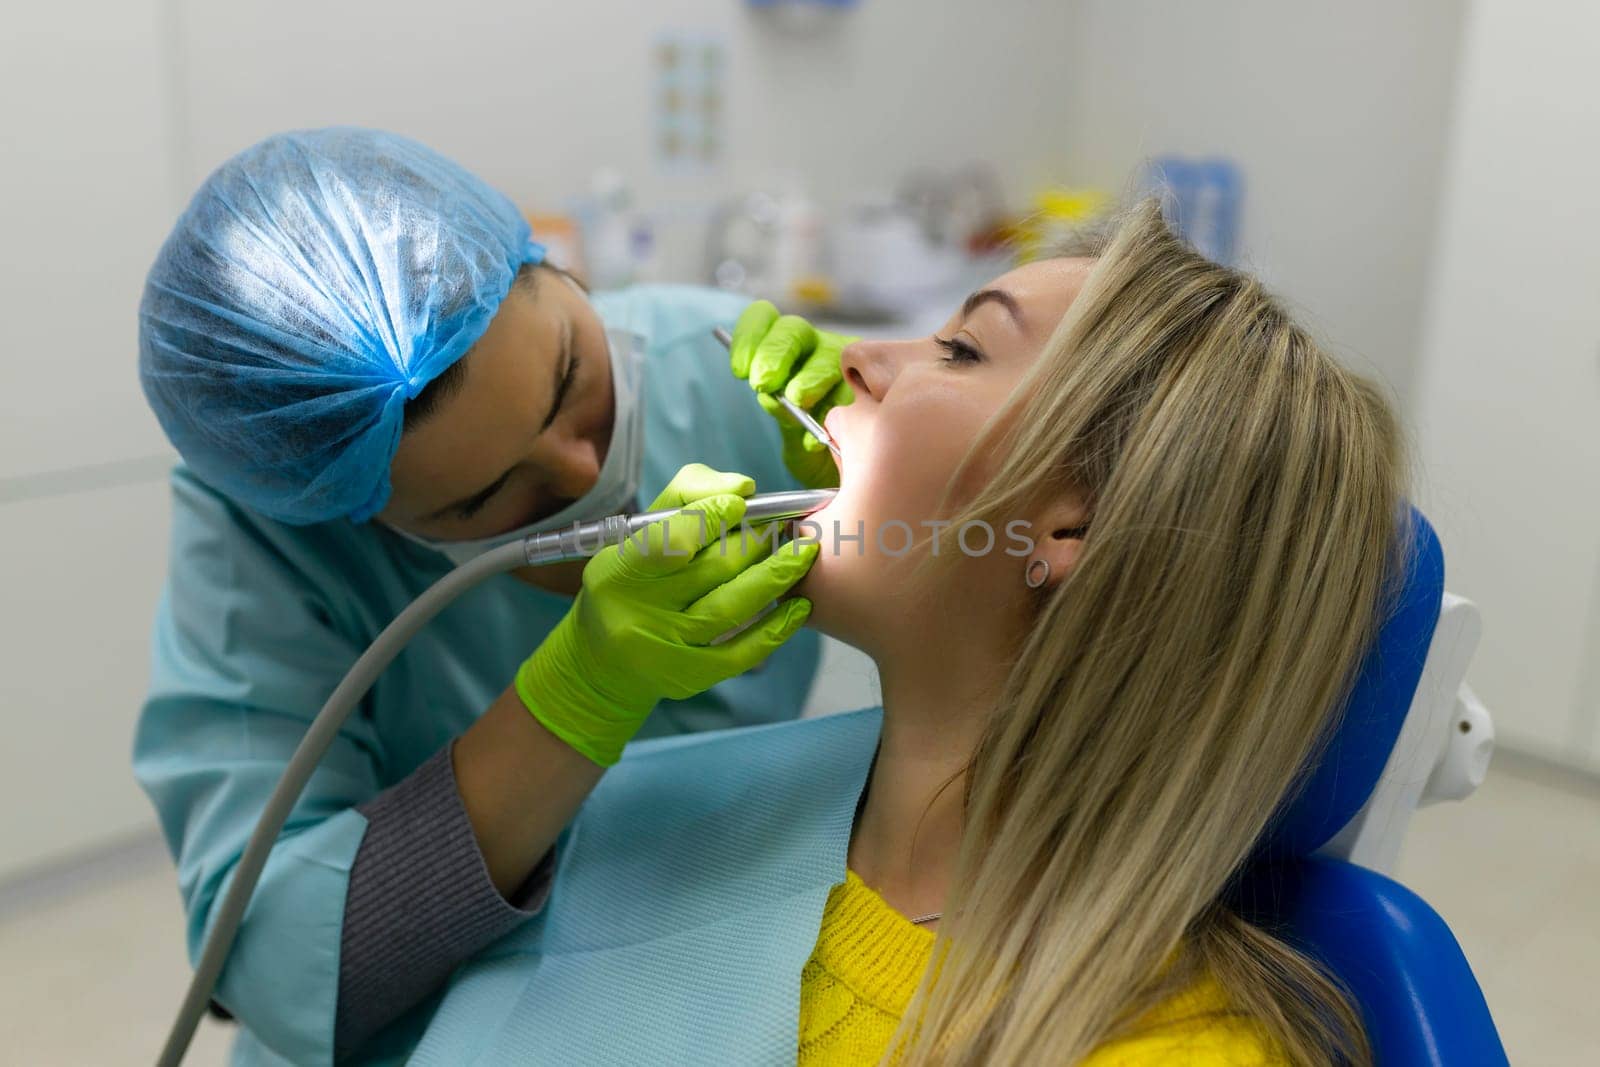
x=1026 y=858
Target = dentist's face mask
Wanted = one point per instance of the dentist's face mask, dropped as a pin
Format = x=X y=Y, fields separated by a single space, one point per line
x=615 y=489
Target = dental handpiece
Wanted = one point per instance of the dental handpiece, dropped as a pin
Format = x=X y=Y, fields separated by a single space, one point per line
x=582 y=540
x=801 y=415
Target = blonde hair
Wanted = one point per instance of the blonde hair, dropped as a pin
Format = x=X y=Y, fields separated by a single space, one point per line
x=1245 y=495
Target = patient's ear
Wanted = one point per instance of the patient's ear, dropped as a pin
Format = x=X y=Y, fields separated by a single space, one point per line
x=1059 y=539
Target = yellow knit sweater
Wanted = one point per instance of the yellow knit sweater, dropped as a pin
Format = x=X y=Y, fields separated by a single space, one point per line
x=869 y=959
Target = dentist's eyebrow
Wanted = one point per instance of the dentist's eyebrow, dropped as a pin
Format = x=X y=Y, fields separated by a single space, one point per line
x=998 y=296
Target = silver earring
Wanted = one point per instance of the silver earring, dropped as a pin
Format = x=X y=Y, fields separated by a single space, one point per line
x=1037 y=574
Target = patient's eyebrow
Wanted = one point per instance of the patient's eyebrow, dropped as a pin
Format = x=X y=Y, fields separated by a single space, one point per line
x=999 y=296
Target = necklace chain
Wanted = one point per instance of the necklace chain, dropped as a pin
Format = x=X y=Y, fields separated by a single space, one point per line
x=926 y=918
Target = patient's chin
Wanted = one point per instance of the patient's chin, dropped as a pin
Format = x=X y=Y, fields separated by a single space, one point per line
x=841 y=602
x=820 y=587
x=810 y=585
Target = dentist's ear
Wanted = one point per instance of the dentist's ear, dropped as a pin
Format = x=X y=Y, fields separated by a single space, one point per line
x=1056 y=554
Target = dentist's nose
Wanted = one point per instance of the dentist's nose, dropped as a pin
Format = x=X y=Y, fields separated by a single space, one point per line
x=572 y=470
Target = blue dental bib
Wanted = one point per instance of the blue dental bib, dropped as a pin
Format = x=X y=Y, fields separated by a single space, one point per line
x=688 y=896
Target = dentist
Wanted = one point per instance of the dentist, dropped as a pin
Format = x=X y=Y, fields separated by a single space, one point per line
x=371 y=375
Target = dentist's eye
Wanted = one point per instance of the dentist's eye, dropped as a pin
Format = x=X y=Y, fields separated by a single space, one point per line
x=959 y=351
x=470 y=508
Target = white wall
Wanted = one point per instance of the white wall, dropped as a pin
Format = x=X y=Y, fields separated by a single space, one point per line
x=86 y=195
x=534 y=96
x=85 y=199
x=1509 y=394
x=1336 y=113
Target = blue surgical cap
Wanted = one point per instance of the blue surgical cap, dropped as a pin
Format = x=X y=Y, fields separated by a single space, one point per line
x=315 y=283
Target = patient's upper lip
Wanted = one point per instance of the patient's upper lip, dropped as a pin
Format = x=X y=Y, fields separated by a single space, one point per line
x=833 y=432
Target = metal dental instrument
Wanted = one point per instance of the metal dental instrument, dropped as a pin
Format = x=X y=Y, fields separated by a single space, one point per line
x=576 y=542
x=802 y=416
x=585 y=539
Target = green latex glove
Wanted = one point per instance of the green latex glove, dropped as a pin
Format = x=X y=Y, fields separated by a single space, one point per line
x=786 y=353
x=641 y=626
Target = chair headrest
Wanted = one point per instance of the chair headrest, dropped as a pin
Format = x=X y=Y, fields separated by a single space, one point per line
x=1345 y=770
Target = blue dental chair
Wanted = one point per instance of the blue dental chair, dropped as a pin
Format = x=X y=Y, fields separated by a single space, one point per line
x=1411 y=734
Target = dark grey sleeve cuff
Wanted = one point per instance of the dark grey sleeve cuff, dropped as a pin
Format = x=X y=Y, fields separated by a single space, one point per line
x=419 y=902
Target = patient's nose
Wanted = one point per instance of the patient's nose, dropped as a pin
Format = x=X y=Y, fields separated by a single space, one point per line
x=869 y=367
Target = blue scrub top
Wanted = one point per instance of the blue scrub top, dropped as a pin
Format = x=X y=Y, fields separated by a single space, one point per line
x=260 y=620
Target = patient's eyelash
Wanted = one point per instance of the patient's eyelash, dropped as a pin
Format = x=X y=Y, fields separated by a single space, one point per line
x=960 y=351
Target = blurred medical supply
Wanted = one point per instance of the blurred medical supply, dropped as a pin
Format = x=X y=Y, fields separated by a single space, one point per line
x=1054 y=213
x=768 y=242
x=1200 y=197
x=964 y=207
x=886 y=261
x=619 y=240
x=878 y=257
x=562 y=239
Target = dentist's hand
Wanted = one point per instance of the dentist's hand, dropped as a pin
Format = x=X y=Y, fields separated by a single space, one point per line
x=785 y=353
x=641 y=626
